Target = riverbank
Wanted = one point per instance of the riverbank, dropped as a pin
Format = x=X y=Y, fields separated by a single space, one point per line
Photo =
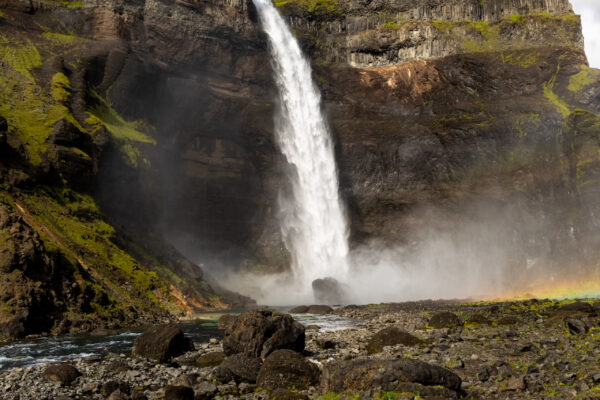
x=512 y=350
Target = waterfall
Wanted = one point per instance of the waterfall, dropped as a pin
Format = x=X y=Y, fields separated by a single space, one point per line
x=313 y=223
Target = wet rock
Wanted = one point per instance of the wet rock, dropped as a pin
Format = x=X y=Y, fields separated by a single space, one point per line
x=64 y=374
x=313 y=328
x=205 y=391
x=576 y=326
x=285 y=369
x=109 y=387
x=259 y=333
x=299 y=310
x=178 y=393
x=325 y=344
x=391 y=336
x=366 y=374
x=477 y=319
x=226 y=322
x=118 y=366
x=578 y=306
x=507 y=320
x=329 y=291
x=444 y=319
x=210 y=359
x=281 y=394
x=161 y=343
x=118 y=395
x=319 y=309
x=239 y=368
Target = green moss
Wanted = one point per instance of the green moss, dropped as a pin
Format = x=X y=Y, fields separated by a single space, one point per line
x=443 y=26
x=321 y=10
x=61 y=87
x=556 y=101
x=70 y=4
x=125 y=134
x=61 y=39
x=21 y=57
x=390 y=25
x=520 y=59
x=585 y=77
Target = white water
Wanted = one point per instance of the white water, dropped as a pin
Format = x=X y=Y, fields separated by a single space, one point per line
x=313 y=222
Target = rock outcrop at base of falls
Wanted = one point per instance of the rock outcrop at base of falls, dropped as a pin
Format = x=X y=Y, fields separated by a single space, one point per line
x=133 y=121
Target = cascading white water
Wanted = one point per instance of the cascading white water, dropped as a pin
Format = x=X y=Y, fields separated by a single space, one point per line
x=313 y=223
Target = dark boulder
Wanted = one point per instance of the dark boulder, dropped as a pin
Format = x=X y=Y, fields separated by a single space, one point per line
x=161 y=343
x=210 y=359
x=179 y=393
x=507 y=320
x=578 y=306
x=239 y=368
x=391 y=336
x=111 y=386
x=3 y=131
x=319 y=309
x=63 y=374
x=299 y=310
x=330 y=291
x=444 y=319
x=388 y=375
x=226 y=322
x=477 y=319
x=286 y=369
x=258 y=333
x=576 y=326
x=282 y=394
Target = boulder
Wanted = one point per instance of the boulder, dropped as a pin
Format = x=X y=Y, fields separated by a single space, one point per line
x=477 y=319
x=239 y=368
x=286 y=369
x=210 y=359
x=507 y=320
x=330 y=291
x=205 y=391
x=444 y=319
x=576 y=326
x=578 y=306
x=391 y=336
x=258 y=333
x=387 y=375
x=299 y=310
x=178 y=393
x=161 y=343
x=63 y=374
x=112 y=386
x=319 y=309
x=226 y=322
x=287 y=395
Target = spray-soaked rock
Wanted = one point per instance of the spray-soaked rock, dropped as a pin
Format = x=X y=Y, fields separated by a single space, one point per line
x=63 y=374
x=387 y=375
x=330 y=291
x=444 y=319
x=161 y=343
x=238 y=368
x=299 y=310
x=285 y=369
x=390 y=337
x=319 y=309
x=258 y=333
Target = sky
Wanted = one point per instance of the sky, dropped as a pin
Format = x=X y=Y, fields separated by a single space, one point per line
x=590 y=18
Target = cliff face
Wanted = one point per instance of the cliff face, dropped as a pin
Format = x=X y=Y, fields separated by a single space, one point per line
x=140 y=118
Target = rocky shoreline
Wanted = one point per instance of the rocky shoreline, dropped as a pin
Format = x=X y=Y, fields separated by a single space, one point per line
x=442 y=350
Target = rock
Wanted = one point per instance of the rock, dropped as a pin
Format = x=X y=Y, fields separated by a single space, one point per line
x=63 y=373
x=444 y=319
x=391 y=336
x=578 y=306
x=161 y=343
x=286 y=369
x=507 y=320
x=330 y=291
x=325 y=344
x=281 y=394
x=313 y=328
x=239 y=368
x=576 y=326
x=477 y=319
x=118 y=395
x=259 y=333
x=205 y=391
x=178 y=393
x=118 y=366
x=3 y=131
x=109 y=387
x=387 y=375
x=319 y=309
x=226 y=321
x=210 y=359
x=299 y=310
x=137 y=395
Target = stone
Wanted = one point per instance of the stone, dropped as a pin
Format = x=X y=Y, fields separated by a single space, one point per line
x=109 y=387
x=319 y=309
x=386 y=375
x=281 y=394
x=391 y=336
x=507 y=320
x=118 y=366
x=299 y=310
x=226 y=321
x=161 y=343
x=477 y=319
x=205 y=390
x=63 y=373
x=178 y=393
x=444 y=319
x=210 y=359
x=576 y=326
x=286 y=369
x=330 y=291
x=239 y=368
x=118 y=395
x=260 y=332
x=578 y=306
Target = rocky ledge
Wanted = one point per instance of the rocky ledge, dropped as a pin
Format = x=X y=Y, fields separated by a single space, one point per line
x=441 y=350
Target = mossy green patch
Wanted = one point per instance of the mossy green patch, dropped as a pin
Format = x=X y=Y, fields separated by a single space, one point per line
x=61 y=39
x=125 y=134
x=320 y=10
x=61 y=87
x=520 y=59
x=21 y=57
x=70 y=4
x=585 y=77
